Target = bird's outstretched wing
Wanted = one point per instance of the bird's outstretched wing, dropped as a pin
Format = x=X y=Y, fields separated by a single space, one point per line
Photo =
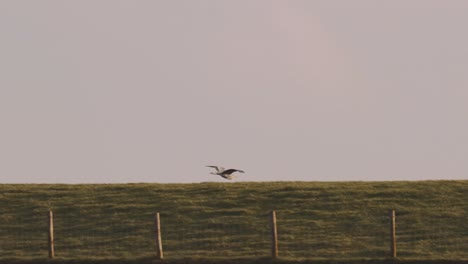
x=230 y=171
x=218 y=169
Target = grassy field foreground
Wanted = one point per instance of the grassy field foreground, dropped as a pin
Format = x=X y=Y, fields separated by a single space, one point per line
x=316 y=220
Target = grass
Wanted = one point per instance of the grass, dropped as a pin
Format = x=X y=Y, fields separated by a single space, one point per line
x=316 y=220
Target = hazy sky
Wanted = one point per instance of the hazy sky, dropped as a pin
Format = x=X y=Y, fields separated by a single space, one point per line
x=114 y=91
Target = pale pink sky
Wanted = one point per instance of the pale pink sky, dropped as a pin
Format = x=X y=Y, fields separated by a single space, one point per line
x=114 y=91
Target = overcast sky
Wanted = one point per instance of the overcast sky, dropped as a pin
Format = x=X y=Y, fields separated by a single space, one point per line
x=114 y=91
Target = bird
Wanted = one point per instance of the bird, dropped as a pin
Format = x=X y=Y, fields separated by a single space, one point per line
x=226 y=174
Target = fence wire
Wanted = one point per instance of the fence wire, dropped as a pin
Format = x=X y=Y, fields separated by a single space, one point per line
x=428 y=235
x=235 y=234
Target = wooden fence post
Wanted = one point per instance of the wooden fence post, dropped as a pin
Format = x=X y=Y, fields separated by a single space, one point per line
x=274 y=235
x=393 y=245
x=157 y=223
x=51 y=235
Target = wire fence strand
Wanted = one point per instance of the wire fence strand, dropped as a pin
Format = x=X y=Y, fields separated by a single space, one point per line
x=306 y=235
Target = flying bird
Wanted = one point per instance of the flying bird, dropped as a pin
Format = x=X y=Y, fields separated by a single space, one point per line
x=227 y=174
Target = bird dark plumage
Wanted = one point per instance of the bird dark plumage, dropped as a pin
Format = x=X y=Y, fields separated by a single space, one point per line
x=227 y=174
x=230 y=171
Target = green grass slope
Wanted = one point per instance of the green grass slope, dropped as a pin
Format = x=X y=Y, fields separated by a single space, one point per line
x=316 y=220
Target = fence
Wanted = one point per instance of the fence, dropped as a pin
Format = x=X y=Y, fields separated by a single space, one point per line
x=228 y=235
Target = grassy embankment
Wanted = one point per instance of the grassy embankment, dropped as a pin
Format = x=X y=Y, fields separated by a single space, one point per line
x=216 y=221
